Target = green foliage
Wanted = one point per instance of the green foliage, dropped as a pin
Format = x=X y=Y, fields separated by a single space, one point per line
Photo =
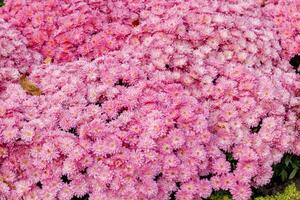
x=1 y=3
x=290 y=193
x=220 y=195
x=288 y=168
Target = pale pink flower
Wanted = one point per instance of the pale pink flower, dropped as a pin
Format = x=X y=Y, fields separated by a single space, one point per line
x=184 y=195
x=249 y=168
x=22 y=186
x=177 y=138
x=216 y=182
x=264 y=176
x=221 y=166
x=189 y=187
x=9 y=135
x=149 y=188
x=199 y=153
x=241 y=191
x=227 y=181
x=27 y=134
x=204 y=188
x=69 y=167
x=49 y=152
x=79 y=187
x=171 y=161
x=65 y=193
x=146 y=143
x=4 y=188
x=66 y=144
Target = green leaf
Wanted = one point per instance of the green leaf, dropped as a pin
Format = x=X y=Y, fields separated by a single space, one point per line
x=287 y=160
x=293 y=173
x=220 y=195
x=283 y=175
x=294 y=165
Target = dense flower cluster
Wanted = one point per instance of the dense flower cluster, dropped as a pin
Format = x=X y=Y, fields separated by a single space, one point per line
x=15 y=57
x=67 y=29
x=13 y=49
x=286 y=17
x=185 y=84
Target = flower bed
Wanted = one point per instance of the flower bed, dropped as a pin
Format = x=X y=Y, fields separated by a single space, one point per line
x=145 y=99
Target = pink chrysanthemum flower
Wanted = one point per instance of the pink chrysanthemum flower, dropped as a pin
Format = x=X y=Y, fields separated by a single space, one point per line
x=221 y=166
x=65 y=193
x=204 y=188
x=227 y=181
x=216 y=182
x=177 y=139
x=241 y=192
x=49 y=152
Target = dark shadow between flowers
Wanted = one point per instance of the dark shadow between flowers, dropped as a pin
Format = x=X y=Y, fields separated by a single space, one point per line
x=85 y=197
x=295 y=62
x=84 y=171
x=255 y=129
x=39 y=185
x=65 y=179
x=233 y=162
x=121 y=82
x=173 y=193
x=101 y=100
x=214 y=81
x=73 y=131
x=157 y=177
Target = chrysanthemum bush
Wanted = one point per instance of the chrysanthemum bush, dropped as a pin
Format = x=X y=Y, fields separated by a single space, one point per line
x=15 y=57
x=68 y=29
x=286 y=18
x=186 y=86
